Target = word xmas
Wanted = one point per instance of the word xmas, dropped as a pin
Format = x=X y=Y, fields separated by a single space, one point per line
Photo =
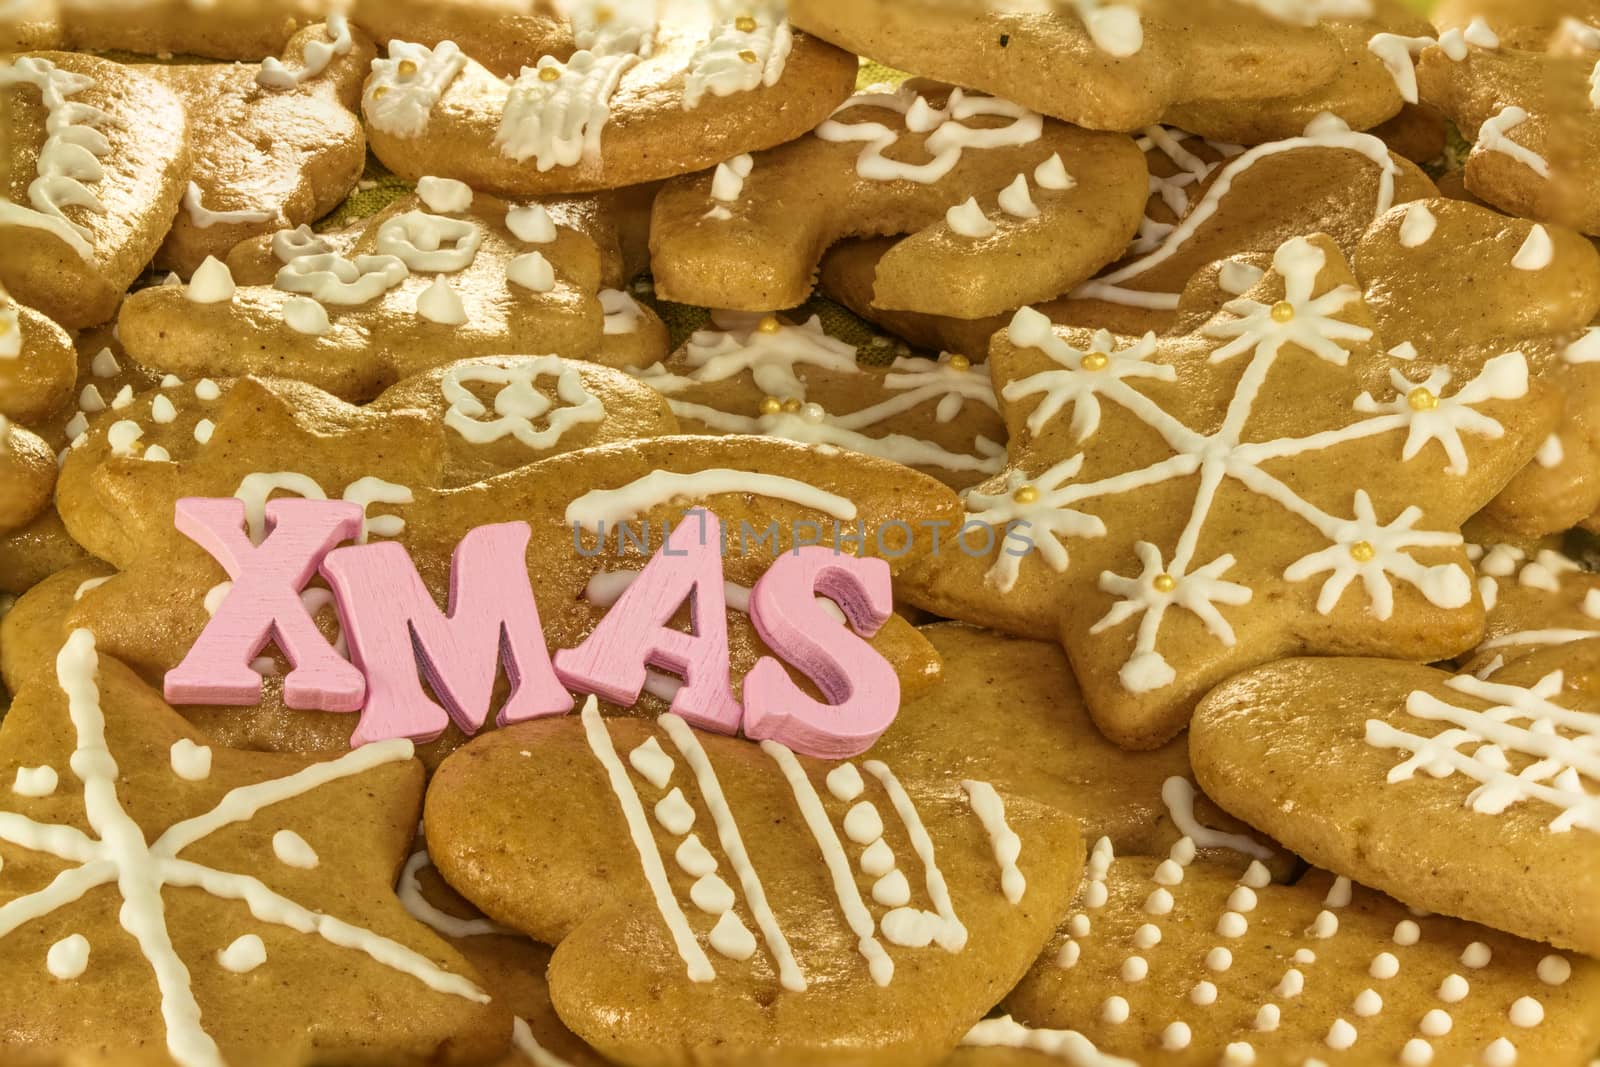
x=394 y=629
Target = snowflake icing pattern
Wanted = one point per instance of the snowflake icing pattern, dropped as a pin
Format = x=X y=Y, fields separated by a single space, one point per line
x=1362 y=546
x=119 y=855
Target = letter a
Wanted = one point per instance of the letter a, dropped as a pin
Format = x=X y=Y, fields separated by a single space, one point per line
x=264 y=605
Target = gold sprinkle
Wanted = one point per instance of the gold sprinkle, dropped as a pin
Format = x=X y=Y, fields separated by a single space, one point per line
x=1094 y=361
x=960 y=362
x=769 y=324
x=380 y=92
x=407 y=68
x=748 y=55
x=744 y=24
x=1422 y=399
x=1362 y=551
x=1165 y=583
x=549 y=74
x=1283 y=311
x=1025 y=494
x=792 y=405
x=771 y=405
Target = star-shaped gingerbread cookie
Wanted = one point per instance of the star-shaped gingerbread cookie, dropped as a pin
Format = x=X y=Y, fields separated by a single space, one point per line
x=1179 y=508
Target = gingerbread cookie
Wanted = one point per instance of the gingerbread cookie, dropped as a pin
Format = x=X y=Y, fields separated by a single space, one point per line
x=275 y=144
x=447 y=275
x=219 y=905
x=1211 y=963
x=761 y=375
x=505 y=35
x=1120 y=66
x=32 y=629
x=1560 y=489
x=770 y=496
x=1002 y=207
x=1541 y=604
x=1500 y=772
x=38 y=367
x=87 y=195
x=1208 y=202
x=1144 y=516
x=1531 y=115
x=707 y=84
x=222 y=29
x=1531 y=24
x=759 y=919
x=27 y=475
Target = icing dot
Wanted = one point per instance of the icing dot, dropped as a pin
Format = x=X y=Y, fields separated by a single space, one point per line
x=892 y=890
x=863 y=824
x=1068 y=956
x=1416 y=1053
x=674 y=813
x=445 y=195
x=1304 y=956
x=1267 y=1018
x=1256 y=876
x=1500 y=1053
x=1095 y=895
x=1526 y=1012
x=1407 y=932
x=878 y=859
x=162 y=411
x=1134 y=969
x=1232 y=924
x=1147 y=936
x=533 y=272
x=203 y=431
x=1242 y=899
x=1203 y=993
x=711 y=894
x=1554 y=970
x=293 y=851
x=1114 y=1010
x=1291 y=984
x=304 y=315
x=68 y=958
x=1158 y=903
x=1219 y=959
x=1338 y=893
x=693 y=857
x=1436 y=1023
x=1176 y=1036
x=244 y=955
x=1476 y=955
x=1367 y=1003
x=1239 y=1054
x=1079 y=925
x=1453 y=989
x=1182 y=850
x=439 y=303
x=35 y=781
x=190 y=761
x=1341 y=1035
x=653 y=764
x=730 y=938
x=1384 y=965
x=1325 y=926
x=1168 y=873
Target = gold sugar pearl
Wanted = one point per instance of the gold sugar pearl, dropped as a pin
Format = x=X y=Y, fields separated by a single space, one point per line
x=1165 y=583
x=1025 y=494
x=380 y=92
x=769 y=324
x=407 y=68
x=549 y=74
x=1283 y=311
x=5 y=327
x=1362 y=552
x=960 y=362
x=748 y=55
x=771 y=405
x=603 y=15
x=745 y=24
x=792 y=405
x=1422 y=399
x=1094 y=361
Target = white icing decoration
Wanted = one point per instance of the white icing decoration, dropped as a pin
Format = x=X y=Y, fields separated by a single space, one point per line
x=292 y=850
x=947 y=137
x=399 y=103
x=692 y=857
x=257 y=487
x=1526 y=1012
x=654 y=765
x=1052 y=174
x=289 y=245
x=302 y=314
x=1537 y=251
x=1477 y=955
x=1551 y=452
x=1115 y=28
x=314 y=57
x=68 y=958
x=429 y=243
x=447 y=196
x=845 y=783
x=1398 y=54
x=942 y=925
x=1561 y=761
x=35 y=782
x=531 y=224
x=674 y=813
x=1017 y=201
x=1178 y=794
x=122 y=436
x=558 y=122
x=727 y=185
x=990 y=810
x=409 y=890
x=205 y=219
x=730 y=938
x=329 y=278
x=734 y=60
x=203 y=431
x=968 y=219
x=212 y=283
x=1417 y=225
x=622 y=312
x=244 y=955
x=1066 y=1045
x=611 y=506
x=190 y=761
x=1493 y=136
x=439 y=303
x=533 y=272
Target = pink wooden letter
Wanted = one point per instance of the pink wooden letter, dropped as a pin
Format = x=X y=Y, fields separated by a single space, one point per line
x=392 y=625
x=634 y=634
x=264 y=605
x=861 y=686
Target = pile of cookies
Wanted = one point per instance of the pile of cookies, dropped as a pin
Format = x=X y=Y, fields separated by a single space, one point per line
x=1213 y=379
